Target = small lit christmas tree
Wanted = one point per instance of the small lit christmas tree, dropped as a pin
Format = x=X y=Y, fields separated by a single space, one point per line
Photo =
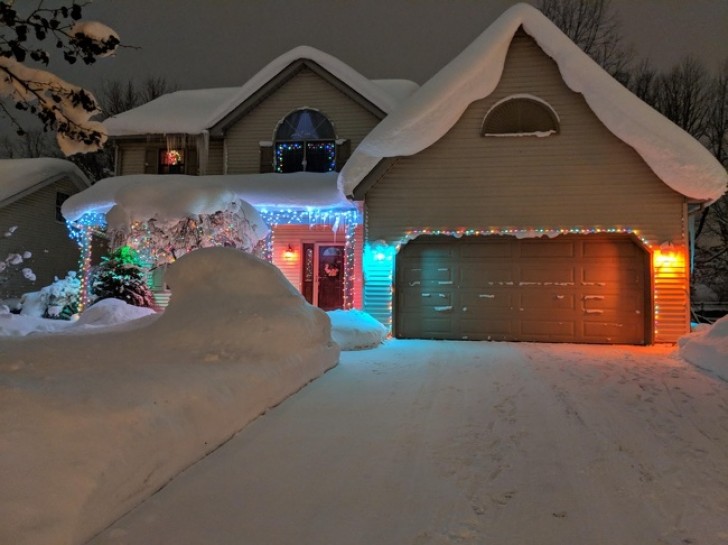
x=122 y=276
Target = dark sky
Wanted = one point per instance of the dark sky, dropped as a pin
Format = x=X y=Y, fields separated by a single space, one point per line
x=212 y=43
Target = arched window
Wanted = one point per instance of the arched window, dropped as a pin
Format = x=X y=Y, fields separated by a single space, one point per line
x=520 y=116
x=305 y=140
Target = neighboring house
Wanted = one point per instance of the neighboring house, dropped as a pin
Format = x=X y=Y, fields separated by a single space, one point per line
x=303 y=112
x=523 y=194
x=31 y=194
x=520 y=194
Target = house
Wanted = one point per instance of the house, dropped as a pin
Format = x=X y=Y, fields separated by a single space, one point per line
x=519 y=194
x=277 y=143
x=523 y=194
x=31 y=194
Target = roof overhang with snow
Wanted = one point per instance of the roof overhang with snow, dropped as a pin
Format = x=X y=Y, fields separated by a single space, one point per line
x=167 y=197
x=21 y=177
x=674 y=156
x=196 y=111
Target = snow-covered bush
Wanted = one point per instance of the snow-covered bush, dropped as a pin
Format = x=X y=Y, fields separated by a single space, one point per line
x=122 y=276
x=356 y=330
x=57 y=301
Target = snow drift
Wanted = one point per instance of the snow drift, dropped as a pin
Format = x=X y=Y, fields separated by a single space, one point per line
x=91 y=424
x=707 y=348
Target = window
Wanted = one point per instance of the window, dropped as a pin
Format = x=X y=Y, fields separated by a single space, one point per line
x=305 y=140
x=60 y=199
x=521 y=116
x=171 y=161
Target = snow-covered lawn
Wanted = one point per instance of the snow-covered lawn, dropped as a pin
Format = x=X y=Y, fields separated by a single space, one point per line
x=413 y=442
x=427 y=442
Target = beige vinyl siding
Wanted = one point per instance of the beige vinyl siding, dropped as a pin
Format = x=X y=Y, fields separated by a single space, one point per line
x=584 y=177
x=38 y=231
x=296 y=235
x=215 y=159
x=305 y=89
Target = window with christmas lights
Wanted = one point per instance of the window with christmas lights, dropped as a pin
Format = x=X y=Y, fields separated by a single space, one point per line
x=171 y=161
x=305 y=140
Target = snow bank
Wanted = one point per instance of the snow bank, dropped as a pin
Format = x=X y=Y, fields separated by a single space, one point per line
x=92 y=423
x=676 y=157
x=143 y=195
x=356 y=330
x=707 y=348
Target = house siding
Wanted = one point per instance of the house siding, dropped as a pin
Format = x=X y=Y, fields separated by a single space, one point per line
x=131 y=159
x=584 y=177
x=216 y=158
x=305 y=89
x=38 y=231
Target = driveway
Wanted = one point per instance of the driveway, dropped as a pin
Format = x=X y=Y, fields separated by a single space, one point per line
x=426 y=442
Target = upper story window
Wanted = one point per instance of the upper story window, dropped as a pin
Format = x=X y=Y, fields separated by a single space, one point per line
x=171 y=161
x=521 y=115
x=305 y=140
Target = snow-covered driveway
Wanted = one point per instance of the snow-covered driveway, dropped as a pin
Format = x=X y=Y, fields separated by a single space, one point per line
x=422 y=442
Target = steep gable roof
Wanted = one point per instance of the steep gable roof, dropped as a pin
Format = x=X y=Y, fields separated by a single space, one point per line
x=20 y=177
x=192 y=112
x=677 y=158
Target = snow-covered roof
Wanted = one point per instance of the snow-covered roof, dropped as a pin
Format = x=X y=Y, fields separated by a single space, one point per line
x=20 y=175
x=176 y=195
x=676 y=158
x=191 y=112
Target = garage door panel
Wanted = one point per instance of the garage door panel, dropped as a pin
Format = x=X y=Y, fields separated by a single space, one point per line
x=427 y=272
x=582 y=288
x=482 y=301
x=536 y=248
x=544 y=330
x=606 y=274
x=484 y=273
x=598 y=249
x=547 y=300
x=539 y=272
x=609 y=331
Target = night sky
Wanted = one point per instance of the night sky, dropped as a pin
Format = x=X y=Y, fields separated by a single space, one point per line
x=214 y=43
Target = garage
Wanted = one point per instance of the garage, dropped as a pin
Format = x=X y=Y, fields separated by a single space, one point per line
x=571 y=288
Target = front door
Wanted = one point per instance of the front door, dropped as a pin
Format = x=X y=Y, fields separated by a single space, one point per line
x=329 y=278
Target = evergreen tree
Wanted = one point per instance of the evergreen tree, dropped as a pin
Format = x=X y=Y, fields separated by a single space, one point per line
x=121 y=276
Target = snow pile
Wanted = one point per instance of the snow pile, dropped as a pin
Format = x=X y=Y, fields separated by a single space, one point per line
x=707 y=348
x=91 y=424
x=175 y=195
x=16 y=325
x=272 y=318
x=675 y=156
x=356 y=330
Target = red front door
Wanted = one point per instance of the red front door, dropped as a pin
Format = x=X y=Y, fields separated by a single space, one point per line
x=323 y=275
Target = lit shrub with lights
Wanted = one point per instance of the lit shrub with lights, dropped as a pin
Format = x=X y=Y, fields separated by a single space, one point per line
x=122 y=276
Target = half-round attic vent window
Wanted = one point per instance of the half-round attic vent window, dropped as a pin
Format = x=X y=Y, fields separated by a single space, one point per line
x=520 y=116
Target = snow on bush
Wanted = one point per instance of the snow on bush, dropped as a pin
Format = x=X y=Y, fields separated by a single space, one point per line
x=356 y=330
x=58 y=300
x=91 y=424
x=708 y=348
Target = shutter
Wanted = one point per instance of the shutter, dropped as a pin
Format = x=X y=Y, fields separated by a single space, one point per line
x=151 y=159
x=266 y=157
x=343 y=151
x=191 y=165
